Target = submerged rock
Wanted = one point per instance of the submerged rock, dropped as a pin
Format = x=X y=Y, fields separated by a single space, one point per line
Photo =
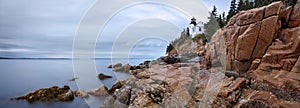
x=102 y=76
x=73 y=79
x=122 y=68
x=117 y=65
x=54 y=93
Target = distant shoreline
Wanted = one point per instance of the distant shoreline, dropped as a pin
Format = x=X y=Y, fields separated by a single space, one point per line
x=69 y=58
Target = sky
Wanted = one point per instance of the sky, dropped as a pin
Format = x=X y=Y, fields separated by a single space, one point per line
x=47 y=28
x=222 y=5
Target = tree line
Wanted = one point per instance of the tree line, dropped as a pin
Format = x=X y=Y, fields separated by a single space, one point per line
x=216 y=21
x=241 y=5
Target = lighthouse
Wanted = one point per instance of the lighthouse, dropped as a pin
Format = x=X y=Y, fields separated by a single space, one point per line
x=195 y=28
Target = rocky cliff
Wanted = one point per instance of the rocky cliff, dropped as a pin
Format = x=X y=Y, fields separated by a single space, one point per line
x=263 y=45
x=253 y=62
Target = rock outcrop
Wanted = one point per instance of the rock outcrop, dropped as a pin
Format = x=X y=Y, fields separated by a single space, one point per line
x=100 y=91
x=262 y=45
x=81 y=93
x=260 y=36
x=54 y=93
x=73 y=79
x=126 y=68
x=173 y=85
x=102 y=76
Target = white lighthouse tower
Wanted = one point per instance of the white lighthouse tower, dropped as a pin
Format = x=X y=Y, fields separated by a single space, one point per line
x=195 y=28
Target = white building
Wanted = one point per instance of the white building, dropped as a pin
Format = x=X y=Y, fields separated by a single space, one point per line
x=195 y=28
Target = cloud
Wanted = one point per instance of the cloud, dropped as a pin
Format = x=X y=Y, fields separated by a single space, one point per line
x=39 y=28
x=132 y=15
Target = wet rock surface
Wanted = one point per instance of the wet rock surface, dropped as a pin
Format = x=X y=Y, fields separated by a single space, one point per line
x=102 y=76
x=54 y=93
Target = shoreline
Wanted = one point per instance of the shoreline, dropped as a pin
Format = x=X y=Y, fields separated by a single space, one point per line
x=248 y=63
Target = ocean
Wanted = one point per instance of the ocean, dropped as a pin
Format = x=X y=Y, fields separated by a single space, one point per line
x=20 y=76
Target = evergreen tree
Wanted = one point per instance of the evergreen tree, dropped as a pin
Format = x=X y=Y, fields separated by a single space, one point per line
x=177 y=41
x=170 y=47
x=245 y=5
x=213 y=24
x=241 y=5
x=260 y=3
x=214 y=11
x=257 y=3
x=217 y=17
x=220 y=21
x=211 y=27
x=232 y=10
x=266 y=2
x=248 y=5
x=224 y=19
x=290 y=2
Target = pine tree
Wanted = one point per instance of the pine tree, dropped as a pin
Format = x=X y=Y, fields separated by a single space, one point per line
x=232 y=10
x=290 y=2
x=213 y=24
x=224 y=19
x=258 y=3
x=170 y=47
x=248 y=5
x=214 y=11
x=220 y=21
x=217 y=17
x=266 y=2
x=211 y=27
x=241 y=5
x=245 y=5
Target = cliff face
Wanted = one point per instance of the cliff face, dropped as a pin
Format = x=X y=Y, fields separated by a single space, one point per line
x=261 y=40
x=262 y=44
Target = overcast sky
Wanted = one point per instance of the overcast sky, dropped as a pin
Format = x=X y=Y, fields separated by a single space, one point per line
x=46 y=28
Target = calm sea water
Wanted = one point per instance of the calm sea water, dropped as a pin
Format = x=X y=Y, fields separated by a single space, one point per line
x=20 y=76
